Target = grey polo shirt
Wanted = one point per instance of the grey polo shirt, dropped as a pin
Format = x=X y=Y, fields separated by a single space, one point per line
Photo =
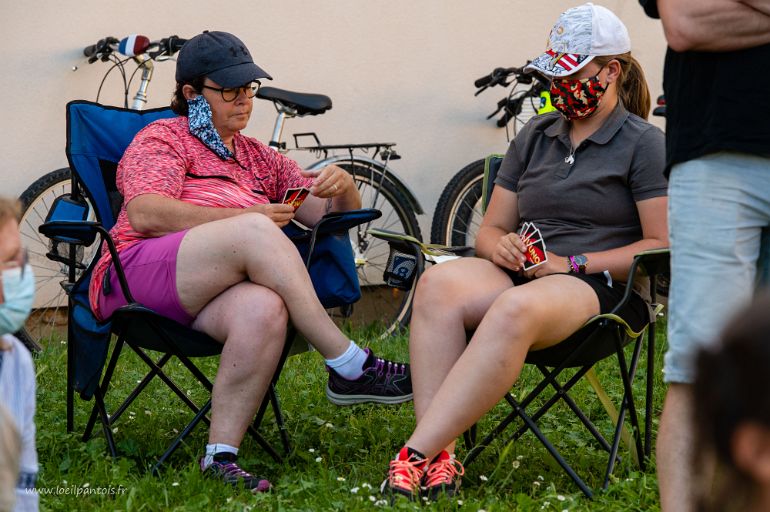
x=590 y=204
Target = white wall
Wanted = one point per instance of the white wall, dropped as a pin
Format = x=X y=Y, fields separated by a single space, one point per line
x=396 y=70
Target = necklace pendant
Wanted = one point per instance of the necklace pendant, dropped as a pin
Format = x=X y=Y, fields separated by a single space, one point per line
x=570 y=159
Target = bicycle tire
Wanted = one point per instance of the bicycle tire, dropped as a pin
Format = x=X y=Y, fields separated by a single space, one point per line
x=458 y=214
x=48 y=321
x=384 y=309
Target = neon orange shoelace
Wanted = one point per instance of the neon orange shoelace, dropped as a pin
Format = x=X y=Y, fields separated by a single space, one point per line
x=405 y=474
x=443 y=472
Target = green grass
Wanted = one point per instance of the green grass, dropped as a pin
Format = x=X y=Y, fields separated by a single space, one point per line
x=340 y=455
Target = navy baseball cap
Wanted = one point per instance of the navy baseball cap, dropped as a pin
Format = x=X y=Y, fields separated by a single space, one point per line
x=220 y=56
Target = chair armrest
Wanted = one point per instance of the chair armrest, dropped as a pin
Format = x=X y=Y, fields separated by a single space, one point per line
x=652 y=262
x=84 y=232
x=416 y=246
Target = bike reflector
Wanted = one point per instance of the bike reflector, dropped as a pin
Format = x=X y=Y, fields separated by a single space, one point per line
x=133 y=45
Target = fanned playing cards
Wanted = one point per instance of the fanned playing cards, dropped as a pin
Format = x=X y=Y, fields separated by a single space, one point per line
x=295 y=196
x=535 y=245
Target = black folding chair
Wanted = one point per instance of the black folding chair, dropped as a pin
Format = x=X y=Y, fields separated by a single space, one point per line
x=97 y=136
x=603 y=336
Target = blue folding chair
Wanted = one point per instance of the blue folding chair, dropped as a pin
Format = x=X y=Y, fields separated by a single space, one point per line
x=97 y=137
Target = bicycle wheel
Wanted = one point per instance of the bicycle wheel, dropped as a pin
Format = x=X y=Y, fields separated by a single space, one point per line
x=381 y=307
x=48 y=321
x=458 y=213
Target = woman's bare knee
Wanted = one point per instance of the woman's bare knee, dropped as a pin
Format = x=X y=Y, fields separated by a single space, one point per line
x=245 y=310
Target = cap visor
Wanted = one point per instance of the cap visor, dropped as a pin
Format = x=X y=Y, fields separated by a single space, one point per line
x=557 y=65
x=239 y=74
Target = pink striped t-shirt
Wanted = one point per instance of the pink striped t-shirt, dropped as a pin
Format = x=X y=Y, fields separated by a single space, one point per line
x=165 y=159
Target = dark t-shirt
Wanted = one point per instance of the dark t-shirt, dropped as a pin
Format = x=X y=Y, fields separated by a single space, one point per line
x=715 y=101
x=589 y=205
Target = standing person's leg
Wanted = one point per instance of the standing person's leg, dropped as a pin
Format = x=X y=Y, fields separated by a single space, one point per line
x=716 y=221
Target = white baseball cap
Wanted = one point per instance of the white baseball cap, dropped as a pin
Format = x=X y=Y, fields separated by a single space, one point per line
x=580 y=34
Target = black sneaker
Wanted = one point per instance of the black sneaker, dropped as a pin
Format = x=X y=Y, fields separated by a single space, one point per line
x=383 y=381
x=227 y=470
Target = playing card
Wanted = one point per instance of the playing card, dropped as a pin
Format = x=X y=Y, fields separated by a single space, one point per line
x=295 y=196
x=536 y=254
x=525 y=229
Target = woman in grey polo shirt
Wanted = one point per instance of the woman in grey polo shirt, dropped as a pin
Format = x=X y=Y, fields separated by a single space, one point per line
x=590 y=177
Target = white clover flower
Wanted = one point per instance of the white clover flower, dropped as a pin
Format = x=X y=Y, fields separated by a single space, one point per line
x=520 y=457
x=148 y=412
x=340 y=478
x=516 y=464
x=366 y=485
x=354 y=490
x=175 y=484
x=380 y=503
x=540 y=477
x=115 y=430
x=311 y=450
x=328 y=425
x=372 y=498
x=536 y=483
x=319 y=459
x=483 y=478
x=459 y=503
x=560 y=497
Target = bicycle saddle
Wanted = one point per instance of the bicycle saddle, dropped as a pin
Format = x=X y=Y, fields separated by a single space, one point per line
x=303 y=103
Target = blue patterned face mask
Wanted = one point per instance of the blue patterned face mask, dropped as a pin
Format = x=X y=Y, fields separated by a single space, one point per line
x=199 y=119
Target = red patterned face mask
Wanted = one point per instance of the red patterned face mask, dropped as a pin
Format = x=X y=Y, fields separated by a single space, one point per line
x=577 y=98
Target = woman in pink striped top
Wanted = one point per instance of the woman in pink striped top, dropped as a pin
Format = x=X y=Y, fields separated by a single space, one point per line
x=199 y=237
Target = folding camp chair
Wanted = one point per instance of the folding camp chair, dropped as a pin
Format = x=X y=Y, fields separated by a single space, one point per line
x=601 y=337
x=97 y=136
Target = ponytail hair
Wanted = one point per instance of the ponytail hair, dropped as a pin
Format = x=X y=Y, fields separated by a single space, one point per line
x=632 y=85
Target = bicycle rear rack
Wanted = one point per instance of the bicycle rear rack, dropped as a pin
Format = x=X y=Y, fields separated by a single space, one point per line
x=384 y=149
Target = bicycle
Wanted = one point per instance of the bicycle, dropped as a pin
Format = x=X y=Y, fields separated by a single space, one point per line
x=52 y=264
x=380 y=188
x=458 y=212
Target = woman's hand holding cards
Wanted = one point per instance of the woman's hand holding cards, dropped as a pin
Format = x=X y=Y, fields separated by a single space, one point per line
x=553 y=264
x=279 y=213
x=329 y=182
x=510 y=252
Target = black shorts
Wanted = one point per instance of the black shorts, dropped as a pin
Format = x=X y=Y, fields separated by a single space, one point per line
x=635 y=313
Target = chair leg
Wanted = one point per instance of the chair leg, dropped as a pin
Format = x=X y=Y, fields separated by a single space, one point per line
x=70 y=383
x=99 y=405
x=282 y=431
x=185 y=432
x=555 y=453
x=649 y=390
x=103 y=386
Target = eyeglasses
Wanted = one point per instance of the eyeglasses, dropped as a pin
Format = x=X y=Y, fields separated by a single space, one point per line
x=229 y=95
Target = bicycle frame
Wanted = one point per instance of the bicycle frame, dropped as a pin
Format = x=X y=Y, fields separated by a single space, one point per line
x=140 y=99
x=277 y=143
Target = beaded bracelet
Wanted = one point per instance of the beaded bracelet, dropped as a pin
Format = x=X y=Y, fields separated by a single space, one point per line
x=573 y=266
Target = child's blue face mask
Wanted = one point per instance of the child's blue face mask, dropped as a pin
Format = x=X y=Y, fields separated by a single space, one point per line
x=18 y=294
x=201 y=126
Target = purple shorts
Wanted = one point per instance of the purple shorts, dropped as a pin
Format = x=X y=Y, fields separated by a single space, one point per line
x=150 y=268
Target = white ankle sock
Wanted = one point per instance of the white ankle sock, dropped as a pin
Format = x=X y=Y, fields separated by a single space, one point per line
x=213 y=449
x=351 y=363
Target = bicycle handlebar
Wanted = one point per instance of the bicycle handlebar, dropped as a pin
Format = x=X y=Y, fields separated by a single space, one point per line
x=103 y=48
